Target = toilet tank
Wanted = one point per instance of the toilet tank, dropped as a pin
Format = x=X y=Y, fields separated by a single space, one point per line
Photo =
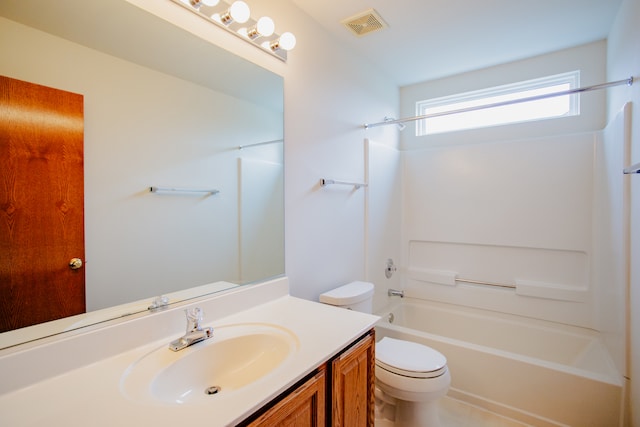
x=357 y=296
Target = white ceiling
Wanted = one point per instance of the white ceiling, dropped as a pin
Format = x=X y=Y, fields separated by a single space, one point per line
x=429 y=39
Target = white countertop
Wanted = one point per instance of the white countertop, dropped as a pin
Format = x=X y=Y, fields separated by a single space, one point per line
x=91 y=394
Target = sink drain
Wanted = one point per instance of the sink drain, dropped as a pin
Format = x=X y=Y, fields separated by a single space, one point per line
x=212 y=390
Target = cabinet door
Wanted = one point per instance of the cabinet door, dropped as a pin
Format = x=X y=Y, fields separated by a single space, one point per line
x=353 y=376
x=303 y=407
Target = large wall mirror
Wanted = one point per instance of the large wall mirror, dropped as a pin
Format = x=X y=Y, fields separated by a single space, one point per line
x=162 y=108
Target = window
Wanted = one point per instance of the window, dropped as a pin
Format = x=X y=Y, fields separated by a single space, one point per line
x=559 y=106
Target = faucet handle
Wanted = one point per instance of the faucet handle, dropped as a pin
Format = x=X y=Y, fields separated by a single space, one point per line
x=194 y=313
x=159 y=302
x=194 y=318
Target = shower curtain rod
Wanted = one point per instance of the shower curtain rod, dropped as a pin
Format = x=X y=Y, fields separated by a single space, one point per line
x=628 y=82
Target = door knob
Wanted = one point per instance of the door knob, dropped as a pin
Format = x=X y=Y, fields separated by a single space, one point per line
x=75 y=263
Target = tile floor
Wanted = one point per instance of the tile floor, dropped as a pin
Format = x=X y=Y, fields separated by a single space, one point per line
x=454 y=413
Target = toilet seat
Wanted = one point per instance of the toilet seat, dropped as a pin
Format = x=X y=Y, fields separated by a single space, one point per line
x=409 y=359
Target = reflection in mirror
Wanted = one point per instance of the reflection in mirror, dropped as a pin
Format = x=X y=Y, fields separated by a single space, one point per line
x=161 y=108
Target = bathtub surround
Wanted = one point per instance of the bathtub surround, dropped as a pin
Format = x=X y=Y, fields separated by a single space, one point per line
x=610 y=274
x=383 y=216
x=514 y=213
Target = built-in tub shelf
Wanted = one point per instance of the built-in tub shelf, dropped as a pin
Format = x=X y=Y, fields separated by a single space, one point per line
x=530 y=288
x=553 y=274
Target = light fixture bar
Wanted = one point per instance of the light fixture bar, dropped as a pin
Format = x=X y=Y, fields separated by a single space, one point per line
x=220 y=14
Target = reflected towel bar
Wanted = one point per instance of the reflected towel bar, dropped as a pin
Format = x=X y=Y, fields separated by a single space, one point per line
x=275 y=141
x=181 y=190
x=324 y=182
x=632 y=169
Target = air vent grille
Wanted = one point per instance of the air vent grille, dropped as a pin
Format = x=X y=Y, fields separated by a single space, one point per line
x=365 y=23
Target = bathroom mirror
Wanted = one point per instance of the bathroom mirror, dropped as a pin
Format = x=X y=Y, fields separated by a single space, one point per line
x=162 y=108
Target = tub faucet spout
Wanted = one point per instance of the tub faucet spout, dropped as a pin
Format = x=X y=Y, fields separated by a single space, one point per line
x=195 y=332
x=395 y=293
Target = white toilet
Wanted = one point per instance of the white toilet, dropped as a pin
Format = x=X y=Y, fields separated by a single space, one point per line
x=411 y=375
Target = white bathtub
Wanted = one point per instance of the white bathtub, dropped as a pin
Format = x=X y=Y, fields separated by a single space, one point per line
x=537 y=372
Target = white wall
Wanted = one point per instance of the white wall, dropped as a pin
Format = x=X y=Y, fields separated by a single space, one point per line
x=623 y=60
x=589 y=59
x=329 y=95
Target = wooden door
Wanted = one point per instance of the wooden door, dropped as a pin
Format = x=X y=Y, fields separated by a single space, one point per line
x=41 y=203
x=353 y=385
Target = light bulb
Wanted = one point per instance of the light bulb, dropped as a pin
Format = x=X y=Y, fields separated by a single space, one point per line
x=287 y=41
x=240 y=12
x=265 y=26
x=210 y=2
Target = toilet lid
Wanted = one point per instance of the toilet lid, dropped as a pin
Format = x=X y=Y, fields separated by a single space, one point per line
x=409 y=358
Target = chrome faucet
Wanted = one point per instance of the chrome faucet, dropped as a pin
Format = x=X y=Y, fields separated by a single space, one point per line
x=195 y=332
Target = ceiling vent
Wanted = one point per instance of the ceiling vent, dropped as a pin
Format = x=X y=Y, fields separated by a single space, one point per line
x=365 y=23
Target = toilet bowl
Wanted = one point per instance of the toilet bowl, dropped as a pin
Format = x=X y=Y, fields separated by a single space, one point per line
x=412 y=375
x=416 y=376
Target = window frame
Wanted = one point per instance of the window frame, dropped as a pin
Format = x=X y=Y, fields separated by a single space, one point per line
x=426 y=107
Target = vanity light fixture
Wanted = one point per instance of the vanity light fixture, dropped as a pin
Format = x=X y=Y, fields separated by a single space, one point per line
x=236 y=19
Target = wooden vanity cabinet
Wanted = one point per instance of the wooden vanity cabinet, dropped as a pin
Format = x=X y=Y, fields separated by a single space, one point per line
x=338 y=393
x=302 y=407
x=353 y=384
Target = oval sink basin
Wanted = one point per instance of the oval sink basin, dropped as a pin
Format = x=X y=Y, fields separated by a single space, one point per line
x=236 y=356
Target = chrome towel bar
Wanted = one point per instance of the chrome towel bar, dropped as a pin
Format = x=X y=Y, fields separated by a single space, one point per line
x=181 y=190
x=324 y=182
